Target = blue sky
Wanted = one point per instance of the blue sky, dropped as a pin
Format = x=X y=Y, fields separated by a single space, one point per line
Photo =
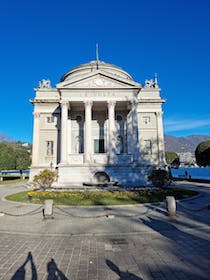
x=46 y=38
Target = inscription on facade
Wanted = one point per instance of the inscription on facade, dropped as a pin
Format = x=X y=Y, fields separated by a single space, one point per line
x=97 y=94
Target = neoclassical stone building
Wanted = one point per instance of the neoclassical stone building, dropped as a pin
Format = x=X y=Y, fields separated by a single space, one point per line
x=98 y=124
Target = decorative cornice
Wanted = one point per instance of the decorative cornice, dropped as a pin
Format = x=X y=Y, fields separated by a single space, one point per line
x=33 y=101
x=151 y=100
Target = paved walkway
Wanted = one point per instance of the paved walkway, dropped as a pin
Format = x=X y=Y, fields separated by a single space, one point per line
x=124 y=242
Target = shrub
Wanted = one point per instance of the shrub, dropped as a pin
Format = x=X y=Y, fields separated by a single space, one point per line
x=159 y=178
x=202 y=154
x=172 y=159
x=45 y=179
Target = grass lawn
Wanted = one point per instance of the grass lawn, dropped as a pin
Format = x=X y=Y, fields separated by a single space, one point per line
x=89 y=198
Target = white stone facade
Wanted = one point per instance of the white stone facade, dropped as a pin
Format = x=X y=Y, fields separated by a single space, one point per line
x=97 y=124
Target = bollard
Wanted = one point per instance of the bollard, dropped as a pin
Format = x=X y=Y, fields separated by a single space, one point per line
x=48 y=209
x=171 y=205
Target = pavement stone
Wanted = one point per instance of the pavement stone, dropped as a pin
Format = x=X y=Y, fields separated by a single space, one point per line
x=140 y=242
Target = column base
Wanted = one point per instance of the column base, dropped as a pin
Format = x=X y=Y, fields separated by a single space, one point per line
x=88 y=158
x=63 y=163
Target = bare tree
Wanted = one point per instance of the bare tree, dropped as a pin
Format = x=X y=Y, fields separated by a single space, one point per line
x=4 y=138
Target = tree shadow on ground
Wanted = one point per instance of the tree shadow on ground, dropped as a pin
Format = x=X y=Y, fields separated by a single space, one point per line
x=198 y=216
x=171 y=231
x=186 y=246
x=124 y=275
x=20 y=273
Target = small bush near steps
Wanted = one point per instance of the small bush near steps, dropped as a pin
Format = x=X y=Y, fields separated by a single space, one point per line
x=45 y=179
x=159 y=177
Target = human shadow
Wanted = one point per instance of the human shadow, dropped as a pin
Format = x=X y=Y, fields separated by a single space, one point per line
x=124 y=275
x=53 y=272
x=20 y=273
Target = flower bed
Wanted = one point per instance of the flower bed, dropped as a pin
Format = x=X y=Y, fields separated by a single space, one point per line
x=88 y=198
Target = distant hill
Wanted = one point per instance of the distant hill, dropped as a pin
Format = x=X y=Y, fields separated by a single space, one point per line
x=184 y=144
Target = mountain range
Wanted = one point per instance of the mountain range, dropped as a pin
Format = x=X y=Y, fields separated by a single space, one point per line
x=184 y=144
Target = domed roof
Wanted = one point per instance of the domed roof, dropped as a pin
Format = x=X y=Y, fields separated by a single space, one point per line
x=95 y=65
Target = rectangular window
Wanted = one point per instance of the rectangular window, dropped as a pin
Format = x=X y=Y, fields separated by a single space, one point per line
x=49 y=148
x=147 y=147
x=146 y=119
x=50 y=119
x=99 y=146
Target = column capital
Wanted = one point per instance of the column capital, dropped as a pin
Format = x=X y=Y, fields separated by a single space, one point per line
x=88 y=103
x=111 y=103
x=64 y=103
x=36 y=115
x=159 y=114
x=131 y=104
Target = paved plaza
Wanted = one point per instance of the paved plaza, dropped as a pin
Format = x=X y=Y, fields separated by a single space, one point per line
x=106 y=243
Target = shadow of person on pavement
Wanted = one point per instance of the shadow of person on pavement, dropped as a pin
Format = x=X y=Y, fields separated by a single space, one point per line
x=53 y=272
x=124 y=275
x=20 y=273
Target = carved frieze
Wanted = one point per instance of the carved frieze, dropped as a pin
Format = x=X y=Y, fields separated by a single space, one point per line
x=98 y=82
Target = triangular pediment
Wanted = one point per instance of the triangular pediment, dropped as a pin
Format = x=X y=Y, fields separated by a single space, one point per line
x=98 y=79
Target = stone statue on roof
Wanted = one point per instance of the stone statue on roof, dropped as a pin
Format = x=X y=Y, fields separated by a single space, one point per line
x=152 y=83
x=44 y=84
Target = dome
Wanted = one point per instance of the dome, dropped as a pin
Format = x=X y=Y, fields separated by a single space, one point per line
x=95 y=65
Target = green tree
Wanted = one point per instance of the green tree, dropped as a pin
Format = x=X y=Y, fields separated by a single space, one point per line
x=172 y=159
x=45 y=178
x=13 y=157
x=202 y=154
x=22 y=159
x=7 y=156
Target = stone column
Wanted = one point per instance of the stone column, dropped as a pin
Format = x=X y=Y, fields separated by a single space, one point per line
x=88 y=130
x=112 y=130
x=64 y=133
x=35 y=152
x=69 y=137
x=160 y=139
x=135 y=134
x=129 y=131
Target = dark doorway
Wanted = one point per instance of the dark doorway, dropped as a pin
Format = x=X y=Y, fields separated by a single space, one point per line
x=101 y=177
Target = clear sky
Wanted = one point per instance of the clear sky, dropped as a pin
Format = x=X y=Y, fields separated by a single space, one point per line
x=46 y=38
